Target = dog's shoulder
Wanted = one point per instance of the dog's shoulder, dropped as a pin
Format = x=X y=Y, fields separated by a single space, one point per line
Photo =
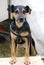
x=26 y=26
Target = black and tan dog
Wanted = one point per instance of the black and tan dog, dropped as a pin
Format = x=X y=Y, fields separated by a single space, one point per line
x=20 y=31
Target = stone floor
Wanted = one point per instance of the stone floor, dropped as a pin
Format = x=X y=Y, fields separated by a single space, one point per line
x=35 y=60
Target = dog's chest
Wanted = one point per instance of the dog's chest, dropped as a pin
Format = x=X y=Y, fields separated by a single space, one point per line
x=21 y=29
x=24 y=28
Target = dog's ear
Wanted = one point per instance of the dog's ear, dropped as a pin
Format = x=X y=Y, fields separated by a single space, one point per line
x=11 y=9
x=28 y=9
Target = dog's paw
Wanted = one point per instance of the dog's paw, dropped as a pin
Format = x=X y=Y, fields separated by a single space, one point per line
x=27 y=62
x=12 y=61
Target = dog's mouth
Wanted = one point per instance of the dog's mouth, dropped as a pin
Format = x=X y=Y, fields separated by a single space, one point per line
x=19 y=24
x=20 y=20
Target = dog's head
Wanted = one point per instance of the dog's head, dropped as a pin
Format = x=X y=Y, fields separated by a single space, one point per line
x=19 y=12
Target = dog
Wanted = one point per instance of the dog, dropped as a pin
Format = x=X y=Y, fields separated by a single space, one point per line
x=19 y=31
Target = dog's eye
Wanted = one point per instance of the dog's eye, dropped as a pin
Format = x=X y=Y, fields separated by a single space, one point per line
x=24 y=11
x=17 y=12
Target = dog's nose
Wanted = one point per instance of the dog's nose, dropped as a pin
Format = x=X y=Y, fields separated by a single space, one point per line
x=21 y=19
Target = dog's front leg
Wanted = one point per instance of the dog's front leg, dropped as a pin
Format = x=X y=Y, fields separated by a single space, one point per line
x=13 y=58
x=27 y=61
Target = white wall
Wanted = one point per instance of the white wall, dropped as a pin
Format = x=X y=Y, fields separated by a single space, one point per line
x=36 y=21
x=3 y=10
